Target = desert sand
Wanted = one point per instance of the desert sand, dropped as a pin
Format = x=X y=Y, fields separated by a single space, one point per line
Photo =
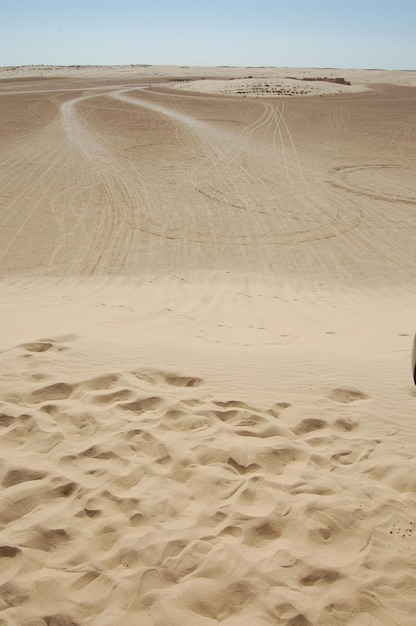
x=207 y=310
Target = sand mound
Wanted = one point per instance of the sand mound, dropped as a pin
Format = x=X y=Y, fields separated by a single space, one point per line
x=267 y=87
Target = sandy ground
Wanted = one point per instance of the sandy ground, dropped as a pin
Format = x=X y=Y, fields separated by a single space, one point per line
x=207 y=307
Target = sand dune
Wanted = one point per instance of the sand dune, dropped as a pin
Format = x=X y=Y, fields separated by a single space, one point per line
x=206 y=395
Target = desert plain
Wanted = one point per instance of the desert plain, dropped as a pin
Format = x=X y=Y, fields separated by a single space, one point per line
x=207 y=308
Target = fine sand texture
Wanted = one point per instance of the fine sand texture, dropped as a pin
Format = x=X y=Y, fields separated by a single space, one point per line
x=207 y=310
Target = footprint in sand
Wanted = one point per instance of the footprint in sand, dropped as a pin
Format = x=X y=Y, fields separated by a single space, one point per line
x=345 y=396
x=320 y=577
x=43 y=345
x=57 y=391
x=21 y=475
x=11 y=559
x=38 y=346
x=102 y=383
x=182 y=381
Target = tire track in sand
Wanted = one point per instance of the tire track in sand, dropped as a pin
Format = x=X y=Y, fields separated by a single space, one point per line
x=112 y=239
x=228 y=179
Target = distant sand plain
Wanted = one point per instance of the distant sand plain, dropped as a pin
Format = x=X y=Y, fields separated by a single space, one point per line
x=207 y=304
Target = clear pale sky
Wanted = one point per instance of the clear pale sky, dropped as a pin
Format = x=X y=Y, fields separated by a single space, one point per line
x=297 y=33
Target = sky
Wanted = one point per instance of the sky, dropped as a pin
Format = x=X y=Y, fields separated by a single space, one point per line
x=289 y=33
